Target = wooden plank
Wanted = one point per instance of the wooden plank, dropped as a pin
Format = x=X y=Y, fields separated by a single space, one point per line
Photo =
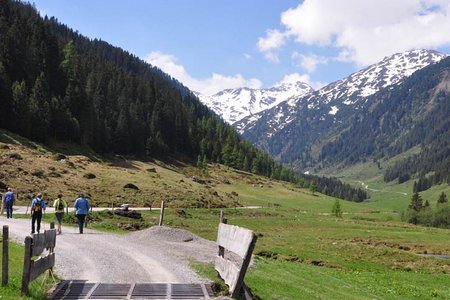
x=38 y=244
x=50 y=238
x=41 y=265
x=42 y=241
x=235 y=239
x=240 y=281
x=228 y=271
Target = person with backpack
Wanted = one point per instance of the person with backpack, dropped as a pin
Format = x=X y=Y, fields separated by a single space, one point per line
x=81 y=206
x=37 y=207
x=8 y=201
x=60 y=205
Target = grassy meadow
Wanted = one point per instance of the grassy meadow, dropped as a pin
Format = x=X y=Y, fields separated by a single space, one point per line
x=302 y=252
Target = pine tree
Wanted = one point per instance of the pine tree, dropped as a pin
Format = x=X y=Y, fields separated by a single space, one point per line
x=313 y=187
x=442 y=198
x=416 y=202
x=336 y=210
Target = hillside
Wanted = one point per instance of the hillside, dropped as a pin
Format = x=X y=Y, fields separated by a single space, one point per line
x=375 y=114
x=31 y=167
x=57 y=85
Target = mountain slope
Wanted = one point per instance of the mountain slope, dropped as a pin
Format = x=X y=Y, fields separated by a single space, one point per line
x=235 y=104
x=296 y=130
x=57 y=85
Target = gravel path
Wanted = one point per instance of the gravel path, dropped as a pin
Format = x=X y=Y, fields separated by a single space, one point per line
x=157 y=254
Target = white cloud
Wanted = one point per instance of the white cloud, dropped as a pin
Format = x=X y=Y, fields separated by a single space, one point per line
x=309 y=62
x=364 y=31
x=207 y=86
x=248 y=56
x=296 y=77
x=275 y=39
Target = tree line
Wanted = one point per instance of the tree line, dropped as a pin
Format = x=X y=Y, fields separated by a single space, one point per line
x=422 y=213
x=56 y=84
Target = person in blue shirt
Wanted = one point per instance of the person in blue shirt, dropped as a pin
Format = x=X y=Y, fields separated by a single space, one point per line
x=8 y=201
x=37 y=207
x=81 y=210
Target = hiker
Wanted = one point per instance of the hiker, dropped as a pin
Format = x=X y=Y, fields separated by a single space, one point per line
x=60 y=205
x=37 y=207
x=8 y=201
x=81 y=210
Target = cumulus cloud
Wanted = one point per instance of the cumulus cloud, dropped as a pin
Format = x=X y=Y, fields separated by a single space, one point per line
x=274 y=39
x=364 y=31
x=296 y=77
x=309 y=62
x=208 y=86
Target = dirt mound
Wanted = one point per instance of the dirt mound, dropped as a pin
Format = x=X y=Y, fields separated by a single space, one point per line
x=166 y=234
x=179 y=243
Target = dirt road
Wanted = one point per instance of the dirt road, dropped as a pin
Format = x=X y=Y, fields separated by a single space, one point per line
x=158 y=254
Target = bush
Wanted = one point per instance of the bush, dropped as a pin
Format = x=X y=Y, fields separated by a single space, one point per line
x=15 y=156
x=432 y=217
x=38 y=173
x=59 y=156
x=89 y=176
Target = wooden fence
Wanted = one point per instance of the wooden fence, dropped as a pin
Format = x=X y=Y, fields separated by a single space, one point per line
x=35 y=246
x=241 y=242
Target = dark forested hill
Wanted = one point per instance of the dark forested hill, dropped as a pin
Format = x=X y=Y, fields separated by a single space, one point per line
x=415 y=113
x=56 y=84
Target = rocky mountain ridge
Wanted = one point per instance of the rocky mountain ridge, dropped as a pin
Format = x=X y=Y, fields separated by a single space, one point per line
x=235 y=104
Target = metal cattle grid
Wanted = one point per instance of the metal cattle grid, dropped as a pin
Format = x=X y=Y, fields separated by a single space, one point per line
x=88 y=290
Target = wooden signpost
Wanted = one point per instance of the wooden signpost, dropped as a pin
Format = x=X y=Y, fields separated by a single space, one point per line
x=35 y=246
x=240 y=241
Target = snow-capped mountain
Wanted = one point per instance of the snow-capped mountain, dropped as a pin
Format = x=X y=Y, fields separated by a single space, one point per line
x=235 y=104
x=296 y=129
x=346 y=93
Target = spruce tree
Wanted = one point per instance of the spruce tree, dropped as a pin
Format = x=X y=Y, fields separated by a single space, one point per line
x=336 y=210
x=442 y=198
x=416 y=202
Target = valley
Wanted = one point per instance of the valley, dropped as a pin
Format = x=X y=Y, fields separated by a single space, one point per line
x=300 y=247
x=345 y=185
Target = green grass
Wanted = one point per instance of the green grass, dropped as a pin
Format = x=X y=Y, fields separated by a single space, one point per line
x=362 y=256
x=37 y=289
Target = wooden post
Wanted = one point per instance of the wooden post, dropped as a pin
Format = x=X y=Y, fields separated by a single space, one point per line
x=221 y=216
x=161 y=214
x=52 y=225
x=5 y=255
x=26 y=265
x=221 y=249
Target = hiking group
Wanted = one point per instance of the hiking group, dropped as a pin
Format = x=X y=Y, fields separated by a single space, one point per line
x=38 y=206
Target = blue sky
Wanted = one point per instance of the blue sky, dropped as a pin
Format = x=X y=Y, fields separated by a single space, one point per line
x=212 y=45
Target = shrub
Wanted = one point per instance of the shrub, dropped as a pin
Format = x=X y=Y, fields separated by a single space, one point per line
x=38 y=173
x=89 y=176
x=15 y=156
